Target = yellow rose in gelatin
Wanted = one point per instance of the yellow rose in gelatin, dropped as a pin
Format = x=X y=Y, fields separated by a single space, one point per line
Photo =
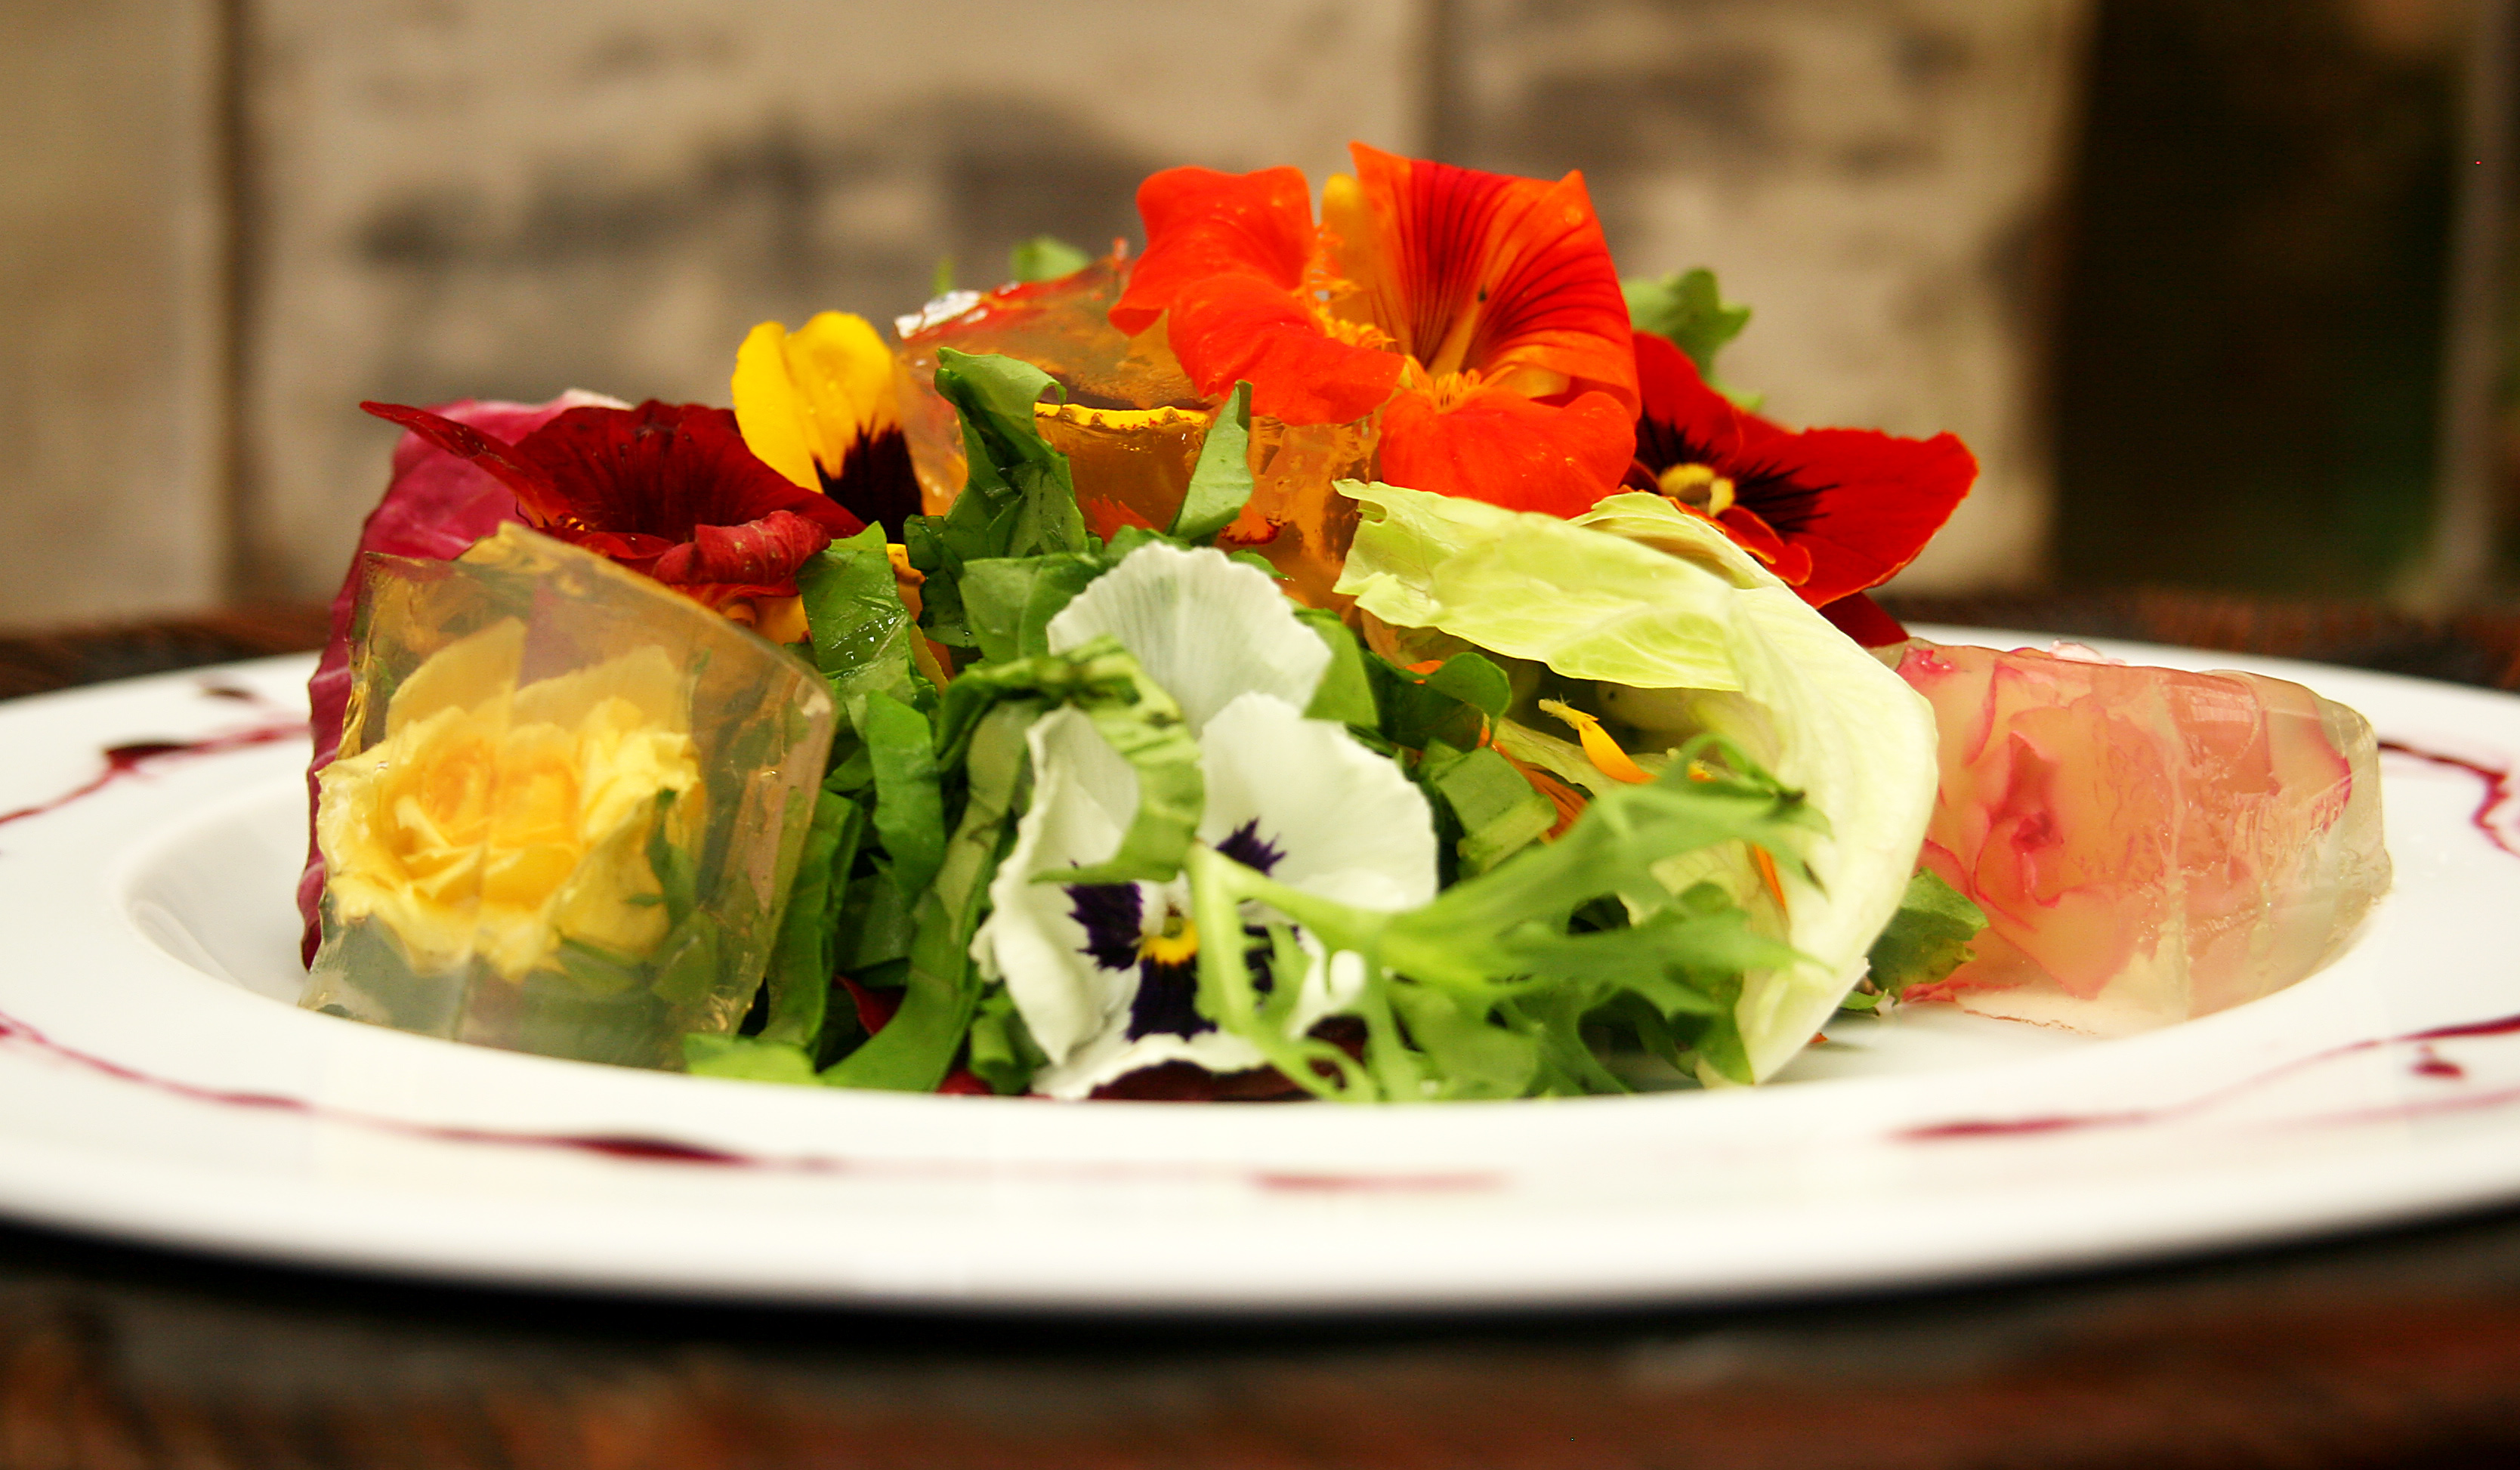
x=501 y=819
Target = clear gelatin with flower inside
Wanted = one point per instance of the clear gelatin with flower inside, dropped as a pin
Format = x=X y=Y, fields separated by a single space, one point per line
x=567 y=804
x=2147 y=844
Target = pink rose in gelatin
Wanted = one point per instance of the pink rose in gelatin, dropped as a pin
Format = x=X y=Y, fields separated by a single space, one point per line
x=2147 y=844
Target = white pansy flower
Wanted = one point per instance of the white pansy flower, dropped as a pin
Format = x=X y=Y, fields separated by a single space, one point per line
x=1105 y=974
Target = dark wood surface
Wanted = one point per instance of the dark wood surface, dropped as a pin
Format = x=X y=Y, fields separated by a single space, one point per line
x=2392 y=1349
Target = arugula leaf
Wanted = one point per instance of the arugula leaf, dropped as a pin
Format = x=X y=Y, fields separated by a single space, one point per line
x=1506 y=950
x=909 y=802
x=1044 y=257
x=1686 y=308
x=1220 y=484
x=1926 y=940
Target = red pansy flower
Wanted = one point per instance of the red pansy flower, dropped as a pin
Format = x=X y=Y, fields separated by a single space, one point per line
x=1830 y=510
x=670 y=490
x=1480 y=313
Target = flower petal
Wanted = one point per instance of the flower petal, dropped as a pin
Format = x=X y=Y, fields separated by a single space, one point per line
x=1346 y=823
x=820 y=406
x=1083 y=797
x=1236 y=328
x=1204 y=629
x=1861 y=504
x=1502 y=448
x=662 y=470
x=1077 y=1010
x=1469 y=271
x=762 y=554
x=1203 y=224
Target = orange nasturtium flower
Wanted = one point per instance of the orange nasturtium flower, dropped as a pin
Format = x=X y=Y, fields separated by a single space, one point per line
x=1479 y=313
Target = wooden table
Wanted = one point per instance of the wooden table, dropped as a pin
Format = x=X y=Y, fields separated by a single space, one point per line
x=2379 y=1350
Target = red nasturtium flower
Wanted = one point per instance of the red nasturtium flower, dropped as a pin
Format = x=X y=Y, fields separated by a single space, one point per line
x=1480 y=313
x=664 y=489
x=1831 y=511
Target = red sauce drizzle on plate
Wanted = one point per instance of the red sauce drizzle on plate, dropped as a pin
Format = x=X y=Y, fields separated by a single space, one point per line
x=135 y=756
x=2427 y=1063
x=2498 y=788
x=641 y=1148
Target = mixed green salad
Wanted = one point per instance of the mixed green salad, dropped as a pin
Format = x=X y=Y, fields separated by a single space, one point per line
x=1560 y=807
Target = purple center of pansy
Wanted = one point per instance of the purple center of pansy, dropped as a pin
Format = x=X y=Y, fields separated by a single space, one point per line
x=1113 y=917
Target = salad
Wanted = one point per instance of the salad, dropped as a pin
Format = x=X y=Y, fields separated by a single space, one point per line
x=1364 y=657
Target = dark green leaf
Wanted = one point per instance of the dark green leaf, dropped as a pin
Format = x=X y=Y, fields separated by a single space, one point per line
x=1928 y=939
x=686 y=964
x=1220 y=483
x=1450 y=704
x=1008 y=601
x=1345 y=693
x=1003 y=1052
x=677 y=875
x=875 y=917
x=910 y=805
x=800 y=973
x=1018 y=500
x=1475 y=681
x=941 y=990
x=1140 y=721
x=863 y=637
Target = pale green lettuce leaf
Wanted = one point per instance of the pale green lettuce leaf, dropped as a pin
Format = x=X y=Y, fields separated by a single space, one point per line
x=1734 y=651
x=1536 y=587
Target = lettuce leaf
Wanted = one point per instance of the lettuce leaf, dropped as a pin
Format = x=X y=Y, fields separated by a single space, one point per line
x=1536 y=587
x=1685 y=634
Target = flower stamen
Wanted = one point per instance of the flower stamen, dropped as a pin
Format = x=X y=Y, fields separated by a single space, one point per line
x=1696 y=486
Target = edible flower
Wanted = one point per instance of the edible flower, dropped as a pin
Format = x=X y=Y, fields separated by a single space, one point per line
x=819 y=405
x=436 y=505
x=1479 y=313
x=509 y=819
x=1106 y=974
x=1829 y=512
x=667 y=490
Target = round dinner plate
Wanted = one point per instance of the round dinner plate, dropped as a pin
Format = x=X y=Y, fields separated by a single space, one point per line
x=157 y=1085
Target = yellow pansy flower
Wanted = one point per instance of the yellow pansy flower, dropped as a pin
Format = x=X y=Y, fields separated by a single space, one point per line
x=820 y=406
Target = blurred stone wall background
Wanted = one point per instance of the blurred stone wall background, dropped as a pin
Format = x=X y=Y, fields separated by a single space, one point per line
x=232 y=219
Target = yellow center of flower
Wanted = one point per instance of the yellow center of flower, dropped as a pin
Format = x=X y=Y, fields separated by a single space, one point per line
x=1698 y=486
x=1178 y=944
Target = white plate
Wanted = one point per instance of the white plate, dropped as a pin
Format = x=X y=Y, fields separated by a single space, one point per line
x=155 y=1085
